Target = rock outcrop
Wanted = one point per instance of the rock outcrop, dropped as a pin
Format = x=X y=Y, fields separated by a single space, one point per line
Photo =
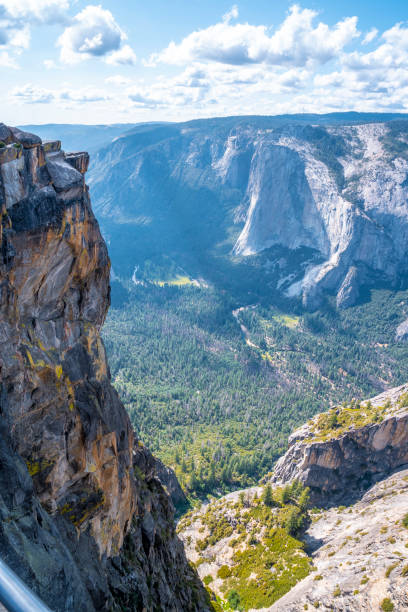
x=341 y=453
x=84 y=518
x=338 y=191
x=401 y=333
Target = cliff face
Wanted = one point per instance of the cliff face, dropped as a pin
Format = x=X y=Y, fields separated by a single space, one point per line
x=78 y=510
x=251 y=184
x=340 y=453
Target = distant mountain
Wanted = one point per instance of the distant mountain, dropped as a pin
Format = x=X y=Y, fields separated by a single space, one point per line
x=80 y=137
x=305 y=204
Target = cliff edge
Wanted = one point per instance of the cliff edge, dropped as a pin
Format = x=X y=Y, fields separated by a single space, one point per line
x=342 y=452
x=84 y=519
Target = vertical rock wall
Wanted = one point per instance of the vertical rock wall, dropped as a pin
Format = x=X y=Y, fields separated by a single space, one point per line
x=60 y=416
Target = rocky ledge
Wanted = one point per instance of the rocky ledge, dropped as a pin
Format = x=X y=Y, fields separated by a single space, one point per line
x=340 y=453
x=84 y=519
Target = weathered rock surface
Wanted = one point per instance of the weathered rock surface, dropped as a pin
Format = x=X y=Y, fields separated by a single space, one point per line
x=359 y=553
x=85 y=520
x=401 y=333
x=339 y=466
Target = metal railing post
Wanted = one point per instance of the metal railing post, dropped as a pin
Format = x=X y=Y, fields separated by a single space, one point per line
x=15 y=595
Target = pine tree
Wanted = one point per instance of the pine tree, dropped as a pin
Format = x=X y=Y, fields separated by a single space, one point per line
x=303 y=500
x=267 y=496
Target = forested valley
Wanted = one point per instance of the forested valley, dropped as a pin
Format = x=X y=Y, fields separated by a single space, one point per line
x=214 y=389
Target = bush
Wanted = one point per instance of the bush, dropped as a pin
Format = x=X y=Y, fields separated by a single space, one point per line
x=405 y=521
x=224 y=572
x=234 y=599
x=387 y=605
x=207 y=580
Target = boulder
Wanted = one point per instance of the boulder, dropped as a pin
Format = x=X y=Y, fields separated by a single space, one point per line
x=5 y=134
x=401 y=333
x=27 y=139
x=63 y=175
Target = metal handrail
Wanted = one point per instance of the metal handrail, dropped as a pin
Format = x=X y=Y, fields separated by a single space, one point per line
x=15 y=595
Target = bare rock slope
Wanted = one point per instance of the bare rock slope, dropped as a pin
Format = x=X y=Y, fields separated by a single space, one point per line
x=360 y=554
x=83 y=516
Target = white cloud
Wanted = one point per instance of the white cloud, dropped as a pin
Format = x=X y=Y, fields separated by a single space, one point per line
x=6 y=61
x=369 y=37
x=232 y=14
x=118 y=80
x=123 y=56
x=93 y=33
x=31 y=94
x=35 y=11
x=297 y=42
x=83 y=95
x=16 y=19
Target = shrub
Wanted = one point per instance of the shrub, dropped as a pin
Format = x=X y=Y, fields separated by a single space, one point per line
x=337 y=592
x=2 y=145
x=207 y=579
x=234 y=599
x=405 y=521
x=387 y=605
x=404 y=570
x=224 y=572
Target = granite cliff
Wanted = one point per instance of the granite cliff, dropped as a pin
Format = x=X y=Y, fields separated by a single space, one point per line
x=84 y=519
x=333 y=189
x=338 y=454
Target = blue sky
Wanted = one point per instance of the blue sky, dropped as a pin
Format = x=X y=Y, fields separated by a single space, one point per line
x=73 y=61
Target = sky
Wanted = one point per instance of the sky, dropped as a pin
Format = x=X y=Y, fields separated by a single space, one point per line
x=125 y=61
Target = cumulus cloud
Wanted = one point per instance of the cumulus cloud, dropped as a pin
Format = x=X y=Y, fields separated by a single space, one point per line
x=94 y=33
x=390 y=54
x=297 y=42
x=35 y=11
x=123 y=56
x=16 y=19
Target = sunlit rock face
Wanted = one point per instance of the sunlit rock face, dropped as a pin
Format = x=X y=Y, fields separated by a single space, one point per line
x=338 y=464
x=244 y=185
x=59 y=412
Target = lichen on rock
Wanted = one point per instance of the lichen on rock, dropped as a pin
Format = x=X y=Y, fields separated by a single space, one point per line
x=72 y=439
